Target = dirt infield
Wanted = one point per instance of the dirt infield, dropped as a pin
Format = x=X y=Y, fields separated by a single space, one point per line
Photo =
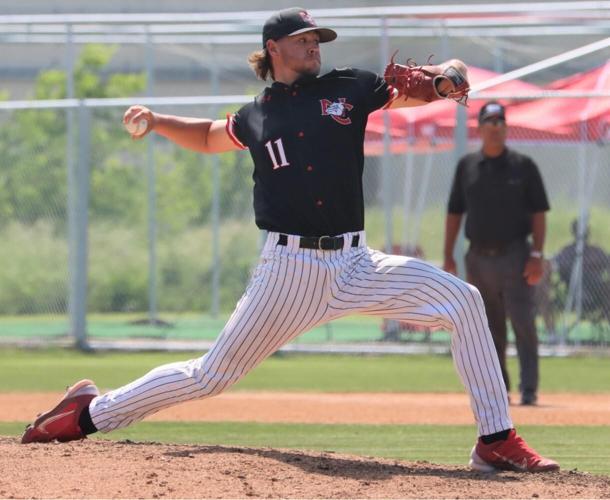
x=94 y=469
x=352 y=408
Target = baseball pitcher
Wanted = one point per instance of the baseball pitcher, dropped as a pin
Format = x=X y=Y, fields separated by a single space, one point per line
x=305 y=133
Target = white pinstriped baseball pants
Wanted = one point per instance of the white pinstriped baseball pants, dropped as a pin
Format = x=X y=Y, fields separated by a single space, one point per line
x=293 y=290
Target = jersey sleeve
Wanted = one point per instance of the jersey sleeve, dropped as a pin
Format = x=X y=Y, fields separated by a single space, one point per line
x=234 y=131
x=377 y=93
x=535 y=193
x=457 y=201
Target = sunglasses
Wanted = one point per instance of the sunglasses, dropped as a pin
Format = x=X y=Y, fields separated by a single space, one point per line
x=494 y=121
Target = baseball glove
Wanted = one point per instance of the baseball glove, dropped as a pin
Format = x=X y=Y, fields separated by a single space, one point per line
x=429 y=83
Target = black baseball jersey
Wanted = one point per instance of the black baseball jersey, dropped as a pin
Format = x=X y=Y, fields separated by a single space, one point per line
x=498 y=195
x=307 y=141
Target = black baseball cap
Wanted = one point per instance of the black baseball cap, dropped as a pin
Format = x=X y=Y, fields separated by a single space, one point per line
x=492 y=109
x=293 y=21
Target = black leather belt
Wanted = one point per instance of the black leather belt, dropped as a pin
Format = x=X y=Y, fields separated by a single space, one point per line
x=487 y=251
x=320 y=242
x=493 y=251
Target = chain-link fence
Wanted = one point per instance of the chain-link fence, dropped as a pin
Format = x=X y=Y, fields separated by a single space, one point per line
x=574 y=296
x=104 y=237
x=166 y=238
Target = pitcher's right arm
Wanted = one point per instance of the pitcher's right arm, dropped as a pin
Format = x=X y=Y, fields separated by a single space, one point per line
x=198 y=134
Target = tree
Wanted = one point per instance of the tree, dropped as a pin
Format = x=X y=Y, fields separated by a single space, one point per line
x=33 y=174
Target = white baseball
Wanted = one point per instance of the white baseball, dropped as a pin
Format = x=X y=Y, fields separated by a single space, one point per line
x=137 y=127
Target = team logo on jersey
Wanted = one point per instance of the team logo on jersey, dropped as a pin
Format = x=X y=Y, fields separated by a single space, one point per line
x=307 y=18
x=337 y=110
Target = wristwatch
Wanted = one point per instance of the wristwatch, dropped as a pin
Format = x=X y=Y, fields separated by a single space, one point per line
x=537 y=254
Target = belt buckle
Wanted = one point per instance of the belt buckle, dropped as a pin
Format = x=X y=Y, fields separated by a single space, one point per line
x=493 y=252
x=321 y=239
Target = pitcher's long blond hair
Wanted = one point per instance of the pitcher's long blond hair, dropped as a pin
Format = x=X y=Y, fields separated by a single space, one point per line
x=260 y=62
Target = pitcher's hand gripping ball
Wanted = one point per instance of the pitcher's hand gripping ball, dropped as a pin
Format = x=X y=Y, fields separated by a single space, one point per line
x=428 y=83
x=137 y=127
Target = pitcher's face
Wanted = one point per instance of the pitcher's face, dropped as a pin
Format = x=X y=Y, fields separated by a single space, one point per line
x=300 y=53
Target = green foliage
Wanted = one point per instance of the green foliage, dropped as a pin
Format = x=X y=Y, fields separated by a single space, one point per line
x=34 y=193
x=51 y=84
x=42 y=288
x=88 y=80
x=37 y=280
x=33 y=169
x=117 y=191
x=185 y=186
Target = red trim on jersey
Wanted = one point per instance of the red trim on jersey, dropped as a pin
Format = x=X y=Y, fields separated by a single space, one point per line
x=231 y=134
x=392 y=95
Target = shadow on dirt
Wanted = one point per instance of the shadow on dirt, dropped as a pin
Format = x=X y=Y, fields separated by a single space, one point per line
x=365 y=468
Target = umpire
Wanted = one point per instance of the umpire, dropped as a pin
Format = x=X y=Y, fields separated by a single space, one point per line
x=503 y=196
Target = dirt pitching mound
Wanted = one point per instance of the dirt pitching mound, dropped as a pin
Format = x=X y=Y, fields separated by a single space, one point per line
x=107 y=469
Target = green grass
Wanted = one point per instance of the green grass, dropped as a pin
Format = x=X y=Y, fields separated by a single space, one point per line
x=582 y=448
x=52 y=370
x=181 y=326
x=203 y=327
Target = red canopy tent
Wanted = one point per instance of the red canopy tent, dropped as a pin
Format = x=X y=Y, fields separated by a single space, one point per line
x=582 y=119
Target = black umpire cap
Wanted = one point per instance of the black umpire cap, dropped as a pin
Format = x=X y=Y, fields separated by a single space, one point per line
x=293 y=21
x=491 y=110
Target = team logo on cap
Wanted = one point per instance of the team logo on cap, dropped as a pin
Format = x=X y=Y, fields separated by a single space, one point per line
x=337 y=110
x=307 y=18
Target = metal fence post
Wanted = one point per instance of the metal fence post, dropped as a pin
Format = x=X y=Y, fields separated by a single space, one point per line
x=386 y=178
x=461 y=146
x=215 y=161
x=152 y=194
x=77 y=304
x=79 y=236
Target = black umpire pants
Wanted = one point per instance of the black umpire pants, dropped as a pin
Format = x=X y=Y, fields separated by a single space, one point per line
x=499 y=278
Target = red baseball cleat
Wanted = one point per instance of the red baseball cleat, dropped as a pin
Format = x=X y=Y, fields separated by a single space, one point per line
x=61 y=423
x=513 y=454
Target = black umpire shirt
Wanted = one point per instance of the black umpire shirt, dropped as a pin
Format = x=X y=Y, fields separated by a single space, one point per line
x=499 y=196
x=307 y=141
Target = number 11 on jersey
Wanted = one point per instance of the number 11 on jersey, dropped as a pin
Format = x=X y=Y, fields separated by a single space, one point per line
x=280 y=148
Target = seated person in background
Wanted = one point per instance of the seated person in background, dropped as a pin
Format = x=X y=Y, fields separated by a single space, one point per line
x=595 y=274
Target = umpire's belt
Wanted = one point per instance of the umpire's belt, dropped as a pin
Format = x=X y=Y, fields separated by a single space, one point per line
x=320 y=242
x=496 y=250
